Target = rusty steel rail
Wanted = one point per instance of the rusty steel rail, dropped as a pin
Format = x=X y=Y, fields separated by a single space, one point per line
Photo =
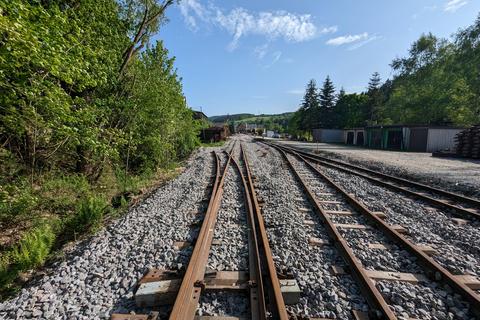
x=186 y=302
x=378 y=305
x=350 y=168
x=433 y=269
x=265 y=258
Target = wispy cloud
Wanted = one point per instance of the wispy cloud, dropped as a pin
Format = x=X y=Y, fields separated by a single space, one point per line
x=190 y=9
x=356 y=40
x=454 y=5
x=364 y=42
x=338 y=41
x=296 y=92
x=240 y=22
x=275 y=57
x=261 y=51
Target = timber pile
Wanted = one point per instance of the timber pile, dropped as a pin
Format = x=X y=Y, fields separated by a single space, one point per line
x=468 y=142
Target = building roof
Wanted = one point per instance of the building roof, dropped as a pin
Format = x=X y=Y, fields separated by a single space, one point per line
x=199 y=115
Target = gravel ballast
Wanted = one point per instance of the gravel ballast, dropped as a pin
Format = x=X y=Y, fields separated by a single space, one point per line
x=99 y=274
x=323 y=294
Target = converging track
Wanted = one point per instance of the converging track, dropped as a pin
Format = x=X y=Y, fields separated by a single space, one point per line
x=266 y=300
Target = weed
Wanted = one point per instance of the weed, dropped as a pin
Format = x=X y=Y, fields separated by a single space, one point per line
x=89 y=215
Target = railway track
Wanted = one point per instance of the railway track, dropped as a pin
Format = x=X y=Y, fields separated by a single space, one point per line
x=459 y=205
x=260 y=280
x=344 y=216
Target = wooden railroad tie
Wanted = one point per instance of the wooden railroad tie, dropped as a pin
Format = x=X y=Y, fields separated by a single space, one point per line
x=152 y=316
x=459 y=221
x=339 y=213
x=396 y=276
x=316 y=242
x=309 y=222
x=351 y=226
x=160 y=287
x=380 y=214
x=180 y=245
x=426 y=249
x=330 y=202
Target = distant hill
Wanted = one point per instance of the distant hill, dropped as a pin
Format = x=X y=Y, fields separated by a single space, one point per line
x=251 y=118
x=227 y=117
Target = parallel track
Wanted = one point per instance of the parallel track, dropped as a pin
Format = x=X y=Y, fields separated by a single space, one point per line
x=438 y=197
x=377 y=303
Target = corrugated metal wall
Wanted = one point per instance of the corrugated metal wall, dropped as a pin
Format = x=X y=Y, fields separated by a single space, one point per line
x=440 y=139
x=328 y=135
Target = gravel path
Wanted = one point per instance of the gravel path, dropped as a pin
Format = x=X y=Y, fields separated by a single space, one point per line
x=99 y=274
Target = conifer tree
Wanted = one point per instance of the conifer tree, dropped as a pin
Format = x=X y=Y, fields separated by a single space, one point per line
x=375 y=99
x=326 y=117
x=309 y=107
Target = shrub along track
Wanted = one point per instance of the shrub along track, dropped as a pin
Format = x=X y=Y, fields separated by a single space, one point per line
x=357 y=232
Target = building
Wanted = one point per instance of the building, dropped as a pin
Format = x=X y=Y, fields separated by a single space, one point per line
x=354 y=136
x=328 y=135
x=199 y=115
x=215 y=133
x=417 y=138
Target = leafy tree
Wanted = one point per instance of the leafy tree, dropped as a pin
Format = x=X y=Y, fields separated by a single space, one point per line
x=143 y=19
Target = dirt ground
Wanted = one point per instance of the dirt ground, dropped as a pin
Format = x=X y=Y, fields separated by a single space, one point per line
x=460 y=175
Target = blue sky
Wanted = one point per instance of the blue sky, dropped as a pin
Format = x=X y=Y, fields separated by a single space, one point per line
x=257 y=56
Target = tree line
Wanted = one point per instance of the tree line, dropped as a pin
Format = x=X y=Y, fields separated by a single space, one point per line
x=438 y=83
x=90 y=109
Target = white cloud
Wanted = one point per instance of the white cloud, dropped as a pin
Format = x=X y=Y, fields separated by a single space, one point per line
x=454 y=5
x=261 y=51
x=364 y=42
x=240 y=22
x=338 y=41
x=275 y=57
x=296 y=92
x=190 y=9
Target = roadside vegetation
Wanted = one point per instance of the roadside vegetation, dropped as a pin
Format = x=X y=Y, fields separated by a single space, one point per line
x=92 y=115
x=436 y=84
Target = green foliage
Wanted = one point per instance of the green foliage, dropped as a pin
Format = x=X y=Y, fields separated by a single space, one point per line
x=34 y=247
x=31 y=251
x=16 y=202
x=81 y=99
x=88 y=216
x=436 y=84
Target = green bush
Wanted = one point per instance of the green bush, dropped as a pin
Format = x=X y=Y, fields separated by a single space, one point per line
x=88 y=216
x=61 y=193
x=34 y=247
x=16 y=201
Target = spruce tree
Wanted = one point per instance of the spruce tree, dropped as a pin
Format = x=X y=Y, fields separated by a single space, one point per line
x=374 y=83
x=309 y=106
x=326 y=118
x=375 y=100
x=327 y=94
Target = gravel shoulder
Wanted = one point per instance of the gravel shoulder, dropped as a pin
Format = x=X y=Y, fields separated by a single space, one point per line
x=98 y=276
x=459 y=175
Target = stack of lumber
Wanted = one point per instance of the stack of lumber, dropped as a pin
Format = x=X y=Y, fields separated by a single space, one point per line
x=468 y=142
